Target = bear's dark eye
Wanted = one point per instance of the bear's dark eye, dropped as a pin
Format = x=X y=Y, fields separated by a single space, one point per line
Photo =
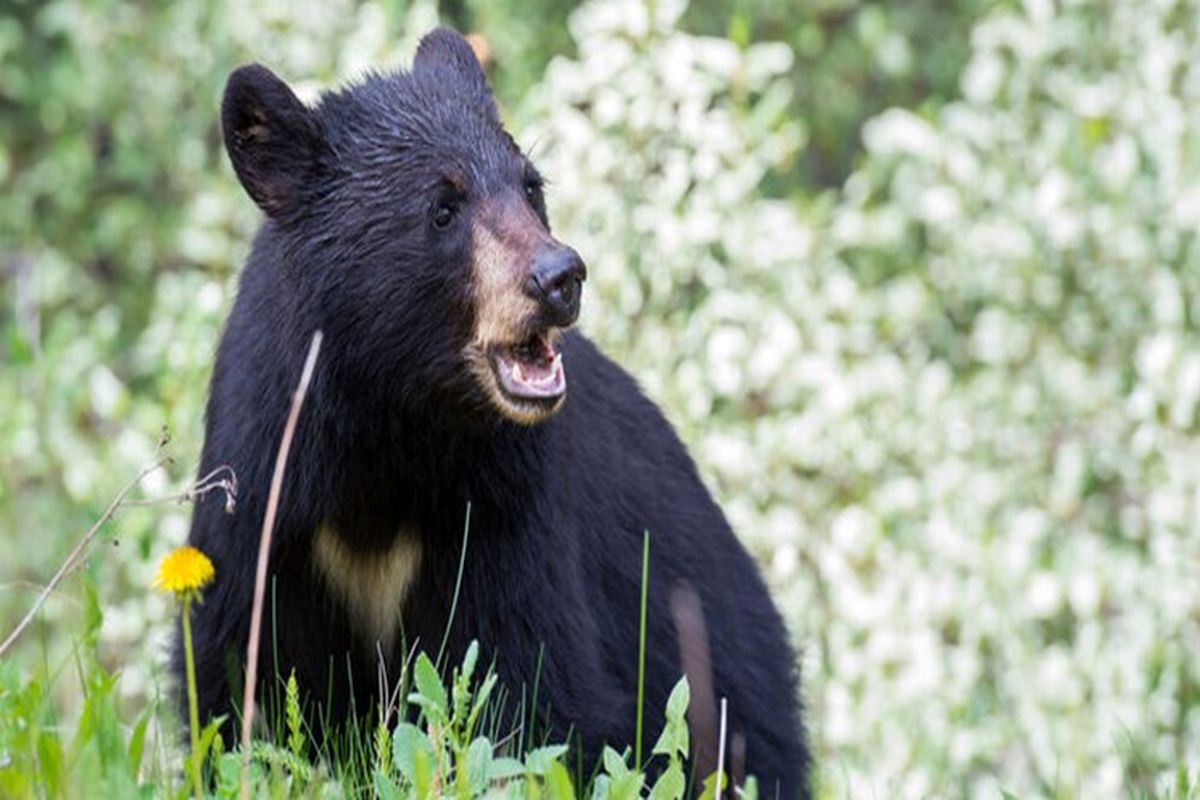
x=443 y=215
x=533 y=186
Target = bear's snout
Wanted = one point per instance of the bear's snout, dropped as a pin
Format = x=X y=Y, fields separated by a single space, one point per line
x=555 y=282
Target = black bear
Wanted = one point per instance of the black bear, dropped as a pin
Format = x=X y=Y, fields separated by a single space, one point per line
x=404 y=222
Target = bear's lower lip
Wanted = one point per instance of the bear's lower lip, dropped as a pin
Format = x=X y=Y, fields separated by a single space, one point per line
x=531 y=370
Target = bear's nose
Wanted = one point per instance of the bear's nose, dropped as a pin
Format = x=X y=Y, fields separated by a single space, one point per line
x=556 y=282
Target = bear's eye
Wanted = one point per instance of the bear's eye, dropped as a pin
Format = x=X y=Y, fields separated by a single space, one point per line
x=443 y=215
x=533 y=190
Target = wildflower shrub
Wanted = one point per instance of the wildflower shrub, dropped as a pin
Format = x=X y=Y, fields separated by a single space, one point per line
x=955 y=408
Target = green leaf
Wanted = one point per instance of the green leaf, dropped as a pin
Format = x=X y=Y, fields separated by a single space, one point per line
x=468 y=665
x=504 y=768
x=430 y=694
x=386 y=788
x=485 y=690
x=50 y=760
x=558 y=782
x=538 y=761
x=627 y=787
x=229 y=774
x=670 y=784
x=207 y=735
x=295 y=723
x=674 y=737
x=673 y=740
x=677 y=703
x=137 y=740
x=479 y=764
x=93 y=613
x=412 y=752
x=600 y=787
x=710 y=786
x=614 y=762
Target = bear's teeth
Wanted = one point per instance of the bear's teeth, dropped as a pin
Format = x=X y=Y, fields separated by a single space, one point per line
x=535 y=379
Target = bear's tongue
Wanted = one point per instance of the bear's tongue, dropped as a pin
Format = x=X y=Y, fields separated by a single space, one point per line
x=531 y=369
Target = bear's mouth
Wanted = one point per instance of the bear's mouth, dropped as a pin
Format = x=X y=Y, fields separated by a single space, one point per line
x=530 y=370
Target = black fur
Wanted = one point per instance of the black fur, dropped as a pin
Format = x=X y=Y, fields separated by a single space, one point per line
x=396 y=434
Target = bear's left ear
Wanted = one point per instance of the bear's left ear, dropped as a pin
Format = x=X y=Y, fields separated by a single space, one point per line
x=446 y=51
x=274 y=141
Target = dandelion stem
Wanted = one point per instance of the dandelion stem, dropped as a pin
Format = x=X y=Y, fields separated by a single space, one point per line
x=193 y=705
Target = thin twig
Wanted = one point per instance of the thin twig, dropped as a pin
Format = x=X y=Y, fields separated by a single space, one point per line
x=388 y=696
x=264 y=549
x=76 y=554
x=223 y=478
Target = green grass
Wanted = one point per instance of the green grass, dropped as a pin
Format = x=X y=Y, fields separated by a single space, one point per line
x=439 y=737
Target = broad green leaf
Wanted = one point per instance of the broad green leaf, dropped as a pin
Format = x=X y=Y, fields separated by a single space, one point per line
x=429 y=689
x=627 y=787
x=558 y=782
x=677 y=703
x=673 y=740
x=539 y=760
x=614 y=763
x=479 y=763
x=411 y=749
x=503 y=768
x=670 y=784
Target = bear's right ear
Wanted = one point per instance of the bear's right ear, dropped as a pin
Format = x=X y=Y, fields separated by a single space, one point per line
x=274 y=141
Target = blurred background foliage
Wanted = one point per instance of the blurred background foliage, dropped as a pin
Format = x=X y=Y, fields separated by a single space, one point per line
x=918 y=283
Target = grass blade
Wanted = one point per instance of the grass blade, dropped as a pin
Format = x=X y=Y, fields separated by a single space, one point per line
x=641 y=688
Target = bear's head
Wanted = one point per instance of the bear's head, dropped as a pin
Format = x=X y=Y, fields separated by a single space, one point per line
x=404 y=221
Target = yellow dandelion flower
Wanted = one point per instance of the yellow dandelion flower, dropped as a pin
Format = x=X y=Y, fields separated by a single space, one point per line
x=184 y=570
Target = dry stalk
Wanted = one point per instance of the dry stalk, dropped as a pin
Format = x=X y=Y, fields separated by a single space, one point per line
x=264 y=549
x=76 y=554
x=721 y=751
x=388 y=696
x=223 y=478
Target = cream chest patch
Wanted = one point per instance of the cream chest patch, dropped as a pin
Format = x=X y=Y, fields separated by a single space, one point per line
x=372 y=586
